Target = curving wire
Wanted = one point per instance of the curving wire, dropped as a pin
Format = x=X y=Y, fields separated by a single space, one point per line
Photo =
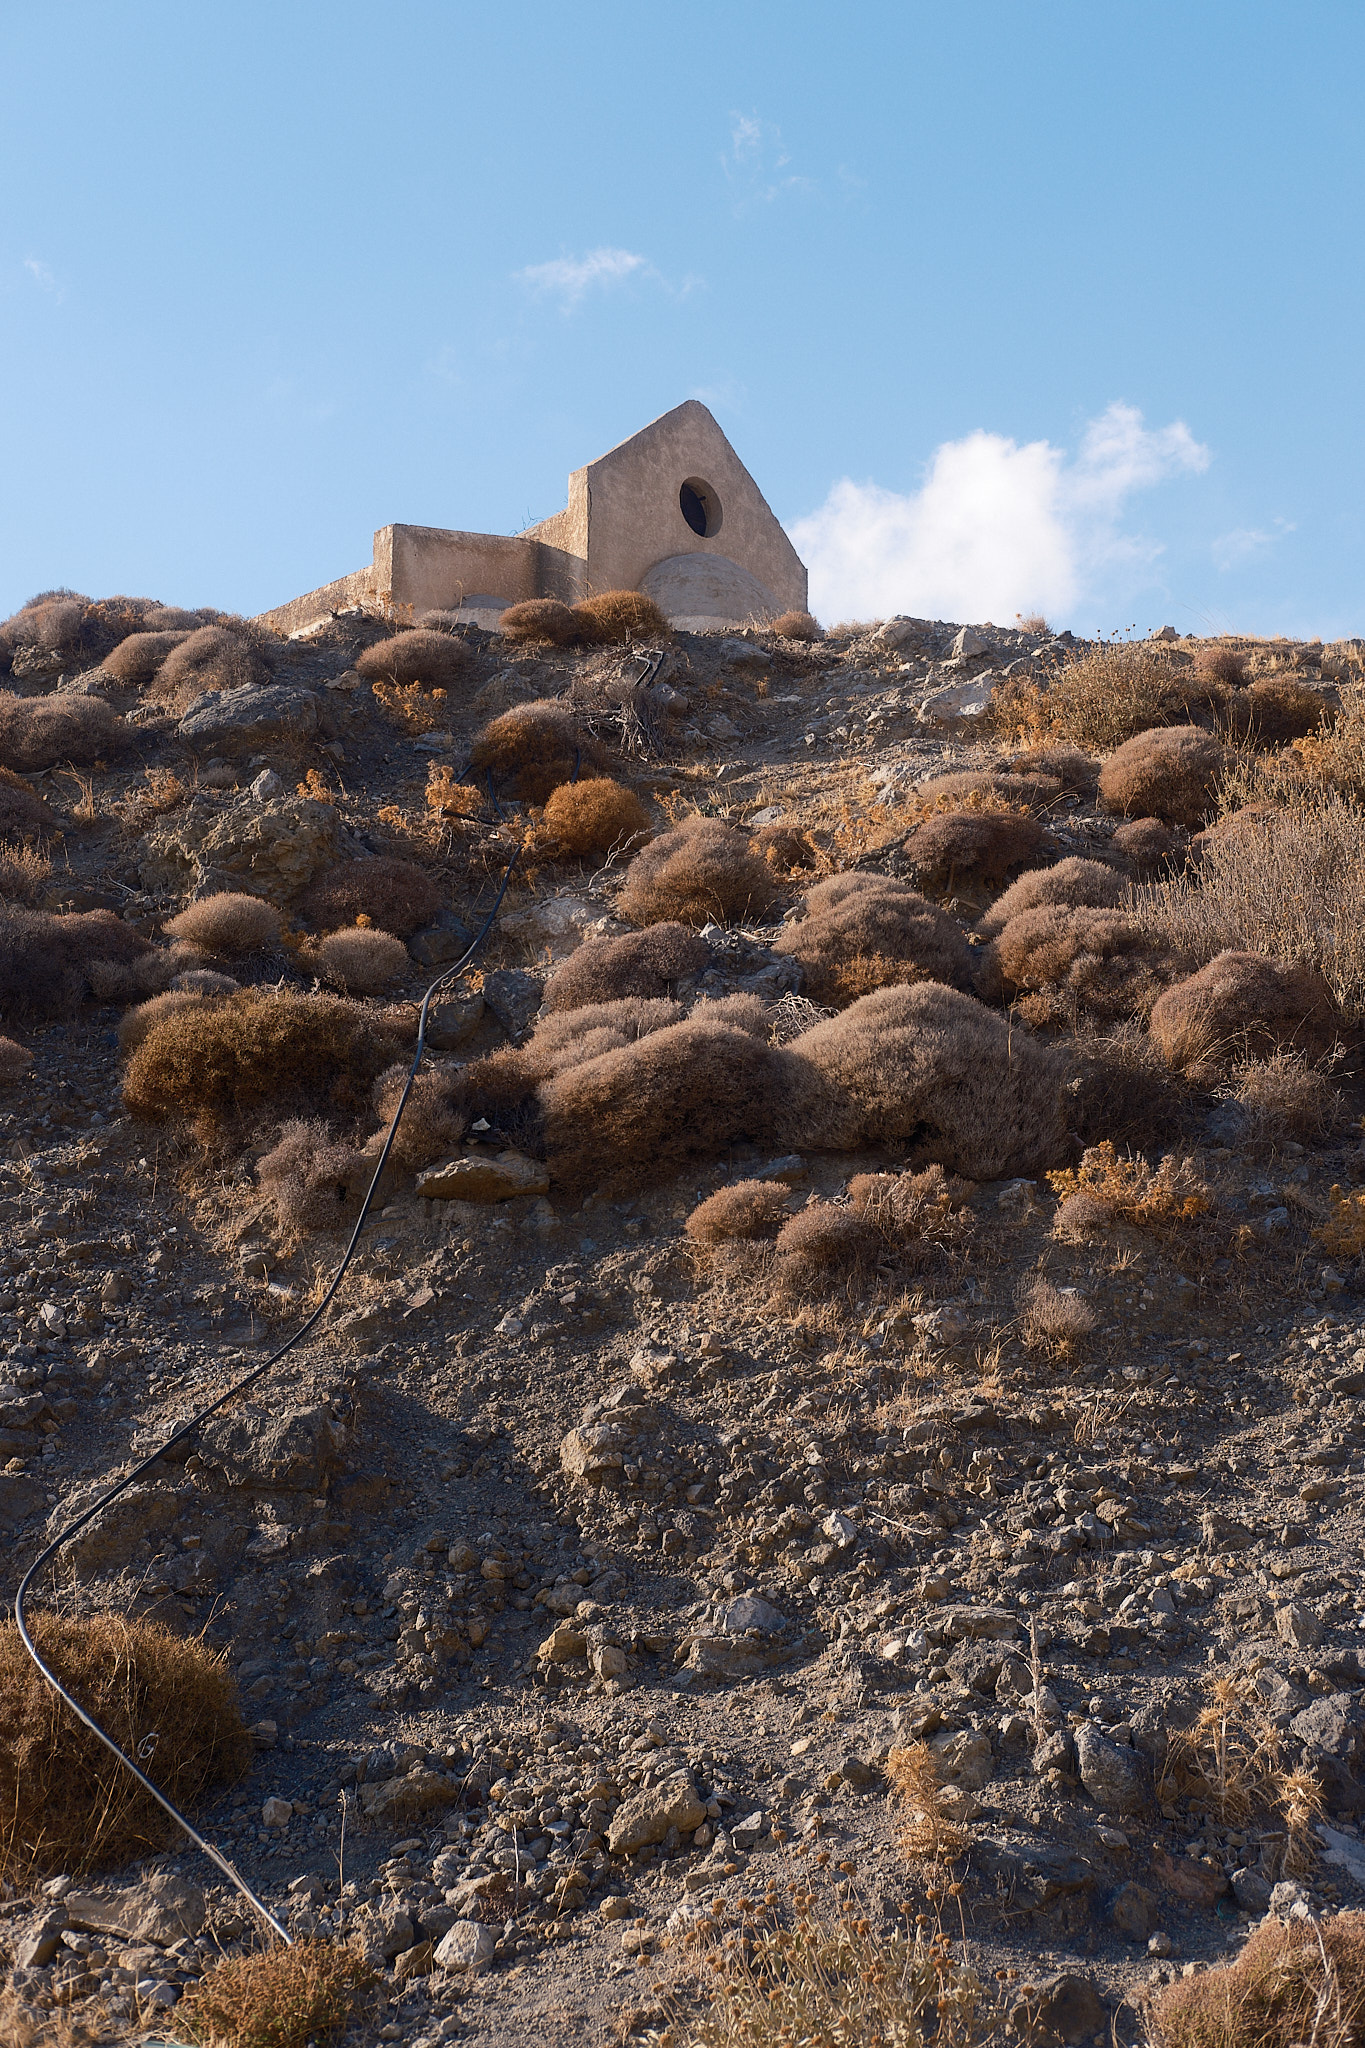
x=187 y=1429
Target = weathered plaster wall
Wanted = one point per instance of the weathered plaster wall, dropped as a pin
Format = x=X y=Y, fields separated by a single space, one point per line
x=429 y=568
x=357 y=588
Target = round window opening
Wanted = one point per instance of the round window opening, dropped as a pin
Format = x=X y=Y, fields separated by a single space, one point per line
x=700 y=507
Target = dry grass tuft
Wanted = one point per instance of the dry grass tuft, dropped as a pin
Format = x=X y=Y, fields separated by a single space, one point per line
x=257 y=1051
x=618 y=617
x=1222 y=664
x=928 y=1831
x=15 y=1061
x=1241 y=1006
x=313 y=1179
x=984 y=789
x=1285 y=1098
x=362 y=961
x=1294 y=1983
x=532 y=749
x=1108 y=1188
x=647 y=963
x=1054 y=1320
x=747 y=1209
x=436 y=659
x=797 y=626
x=701 y=872
x=288 y=1997
x=394 y=894
x=135 y=661
x=539 y=622
x=1229 y=1764
x=213 y=658
x=786 y=848
x=1172 y=773
x=1076 y=770
x=824 y=1247
x=591 y=819
x=1275 y=710
x=1072 y=881
x=977 y=849
x=50 y=962
x=23 y=871
x=228 y=923
x=67 y=1805
x=1120 y=1088
x=37 y=732
x=858 y=932
x=135 y=1024
x=1099 y=698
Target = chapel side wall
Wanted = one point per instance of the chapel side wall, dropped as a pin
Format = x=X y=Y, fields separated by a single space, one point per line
x=432 y=569
x=357 y=588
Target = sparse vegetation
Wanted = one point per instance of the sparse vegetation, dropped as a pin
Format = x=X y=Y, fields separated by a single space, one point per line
x=291 y=1997
x=227 y=923
x=1295 y=1981
x=977 y=850
x=394 y=894
x=436 y=660
x=1172 y=773
x=647 y=963
x=540 y=622
x=797 y=626
x=701 y=872
x=529 y=751
x=363 y=962
x=37 y=732
x=618 y=617
x=588 y=820
x=860 y=932
x=747 y=1209
x=210 y=658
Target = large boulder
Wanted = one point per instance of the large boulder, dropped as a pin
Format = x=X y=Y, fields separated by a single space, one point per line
x=243 y=721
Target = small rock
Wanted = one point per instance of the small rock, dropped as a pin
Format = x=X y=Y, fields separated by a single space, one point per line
x=966 y=643
x=959 y=703
x=163 y=1909
x=1298 y=1626
x=1117 y=1779
x=562 y=1645
x=743 y=654
x=241 y=721
x=468 y=1946
x=420 y=1791
x=277 y=1813
x=1251 y=1891
x=1063 y=2008
x=609 y=1660
x=1133 y=1912
x=499 y=1179
x=737 y=1617
x=647 y=1817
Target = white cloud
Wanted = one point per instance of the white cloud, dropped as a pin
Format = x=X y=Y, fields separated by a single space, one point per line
x=41 y=274
x=568 y=278
x=758 y=163
x=996 y=528
x=1230 y=550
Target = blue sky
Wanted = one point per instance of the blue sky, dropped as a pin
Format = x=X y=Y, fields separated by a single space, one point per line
x=1004 y=304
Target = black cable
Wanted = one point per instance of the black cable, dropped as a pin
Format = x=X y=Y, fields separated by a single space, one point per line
x=186 y=1429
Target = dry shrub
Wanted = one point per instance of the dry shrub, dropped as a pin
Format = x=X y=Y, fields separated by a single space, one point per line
x=1073 y=882
x=1228 y=1764
x=701 y=872
x=867 y=929
x=1076 y=770
x=227 y=923
x=1120 y=1088
x=797 y=626
x=1172 y=773
x=432 y=1124
x=1106 y=963
x=617 y=617
x=255 y=1051
x=135 y=1024
x=288 y=1997
x=49 y=962
x=313 y=1179
x=1283 y=1097
x=539 y=622
x=436 y=659
x=362 y=961
x=928 y=1831
x=22 y=810
x=1054 y=1319
x=416 y=710
x=1108 y=1188
x=931 y=1064
x=1240 y=1006
x=204 y=981
x=590 y=819
x=135 y=661
x=1100 y=698
x=824 y=1247
x=67 y=1805
x=1147 y=845
x=394 y=894
x=786 y=848
x=647 y=963
x=746 y=1210
x=36 y=732
x=1294 y=1982
x=1290 y=884
x=981 y=786
x=531 y=749
x=173 y=618
x=1221 y=664
x=1035 y=625
x=23 y=871
x=500 y=1086
x=15 y=1061
x=977 y=849
x=213 y=658
x=1274 y=710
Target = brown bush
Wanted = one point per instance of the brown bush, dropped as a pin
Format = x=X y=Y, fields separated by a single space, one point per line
x=433 y=1122
x=918 y=1214
x=37 y=732
x=977 y=849
x=701 y=872
x=1284 y=1098
x=647 y=963
x=1171 y=773
x=394 y=894
x=1072 y=882
x=228 y=922
x=50 y=962
x=23 y=871
x=746 y=1210
x=136 y=660
x=1035 y=625
x=173 y=618
x=569 y=1037
x=1034 y=791
x=532 y=749
x=68 y=1805
x=291 y=1997
x=1054 y=1319
x=134 y=1024
x=539 y=622
x=797 y=626
x=745 y=1012
x=211 y=658
x=852 y=920
x=1105 y=962
x=1120 y=1088
x=929 y=1063
x=204 y=981
x=1294 y=1981
x=588 y=820
x=22 y=810
x=15 y=1061
x=1274 y=710
x=824 y=1247
x=1221 y=664
x=436 y=659
x=786 y=848
x=1242 y=1006
x=362 y=961
x=1101 y=697
x=1076 y=770
x=315 y=1181
x=255 y=1051
x=619 y=616
x=1147 y=845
